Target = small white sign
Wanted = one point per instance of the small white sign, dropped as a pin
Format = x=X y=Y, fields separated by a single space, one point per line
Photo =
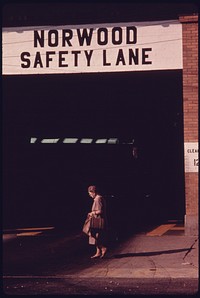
x=191 y=151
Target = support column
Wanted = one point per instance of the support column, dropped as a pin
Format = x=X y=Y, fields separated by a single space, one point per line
x=190 y=119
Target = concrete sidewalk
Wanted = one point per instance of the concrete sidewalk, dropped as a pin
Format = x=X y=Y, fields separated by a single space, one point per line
x=143 y=256
x=140 y=256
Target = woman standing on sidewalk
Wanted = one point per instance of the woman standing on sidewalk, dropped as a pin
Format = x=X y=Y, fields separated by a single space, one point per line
x=98 y=210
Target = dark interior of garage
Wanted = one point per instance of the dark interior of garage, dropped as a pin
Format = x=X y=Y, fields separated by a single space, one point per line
x=46 y=184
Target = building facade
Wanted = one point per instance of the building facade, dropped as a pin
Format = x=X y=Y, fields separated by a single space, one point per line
x=182 y=54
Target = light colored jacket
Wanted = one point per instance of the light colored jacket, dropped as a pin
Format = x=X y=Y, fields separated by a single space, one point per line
x=99 y=205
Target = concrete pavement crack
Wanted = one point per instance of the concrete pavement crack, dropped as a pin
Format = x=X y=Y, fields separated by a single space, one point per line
x=154 y=264
x=167 y=273
x=189 y=250
x=107 y=269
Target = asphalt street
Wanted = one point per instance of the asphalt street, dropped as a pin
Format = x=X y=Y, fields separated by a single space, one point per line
x=98 y=286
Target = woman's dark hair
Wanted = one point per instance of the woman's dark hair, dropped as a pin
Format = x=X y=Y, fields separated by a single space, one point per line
x=92 y=188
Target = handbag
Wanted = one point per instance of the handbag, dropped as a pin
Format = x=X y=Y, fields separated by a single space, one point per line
x=97 y=223
x=86 y=226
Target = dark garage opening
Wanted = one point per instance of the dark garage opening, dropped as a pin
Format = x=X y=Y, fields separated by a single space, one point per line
x=46 y=184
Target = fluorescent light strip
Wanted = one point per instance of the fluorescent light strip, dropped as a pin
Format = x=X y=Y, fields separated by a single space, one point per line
x=49 y=140
x=86 y=141
x=112 y=141
x=33 y=140
x=82 y=141
x=101 y=141
x=70 y=140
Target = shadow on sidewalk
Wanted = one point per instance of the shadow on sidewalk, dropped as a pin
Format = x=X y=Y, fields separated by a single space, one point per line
x=150 y=253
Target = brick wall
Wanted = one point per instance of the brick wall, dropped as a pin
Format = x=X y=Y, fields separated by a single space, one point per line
x=190 y=114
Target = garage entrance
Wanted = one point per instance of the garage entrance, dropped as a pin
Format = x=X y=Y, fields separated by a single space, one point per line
x=142 y=110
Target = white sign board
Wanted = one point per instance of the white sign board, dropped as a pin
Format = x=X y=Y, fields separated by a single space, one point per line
x=92 y=48
x=191 y=157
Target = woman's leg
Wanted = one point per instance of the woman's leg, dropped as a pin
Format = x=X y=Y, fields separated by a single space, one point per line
x=103 y=251
x=98 y=253
x=103 y=243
